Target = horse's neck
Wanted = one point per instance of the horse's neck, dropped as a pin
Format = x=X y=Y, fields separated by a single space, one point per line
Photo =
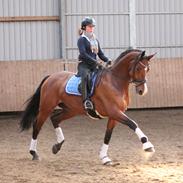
x=121 y=68
x=120 y=72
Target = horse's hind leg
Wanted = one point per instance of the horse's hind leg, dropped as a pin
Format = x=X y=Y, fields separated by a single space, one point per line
x=56 y=117
x=41 y=118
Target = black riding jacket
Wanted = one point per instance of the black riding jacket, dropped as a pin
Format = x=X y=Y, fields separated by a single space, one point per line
x=86 y=55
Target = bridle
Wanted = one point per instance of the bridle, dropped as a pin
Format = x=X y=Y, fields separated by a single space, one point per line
x=137 y=61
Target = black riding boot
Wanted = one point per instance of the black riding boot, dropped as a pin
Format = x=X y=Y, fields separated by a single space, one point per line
x=88 y=105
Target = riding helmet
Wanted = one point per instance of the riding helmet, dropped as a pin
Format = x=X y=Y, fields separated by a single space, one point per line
x=87 y=21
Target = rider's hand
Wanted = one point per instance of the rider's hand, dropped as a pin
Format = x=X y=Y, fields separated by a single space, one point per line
x=100 y=66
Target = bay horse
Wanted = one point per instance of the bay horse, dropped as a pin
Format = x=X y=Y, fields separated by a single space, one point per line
x=111 y=99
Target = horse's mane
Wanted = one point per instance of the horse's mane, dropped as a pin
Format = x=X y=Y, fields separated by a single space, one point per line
x=125 y=53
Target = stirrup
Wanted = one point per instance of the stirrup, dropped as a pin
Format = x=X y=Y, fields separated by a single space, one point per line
x=88 y=105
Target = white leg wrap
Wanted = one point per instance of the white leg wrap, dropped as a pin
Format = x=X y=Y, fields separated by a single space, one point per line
x=106 y=160
x=140 y=134
x=103 y=154
x=59 y=134
x=33 y=145
x=148 y=145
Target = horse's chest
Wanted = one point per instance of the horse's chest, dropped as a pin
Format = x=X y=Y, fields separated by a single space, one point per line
x=124 y=103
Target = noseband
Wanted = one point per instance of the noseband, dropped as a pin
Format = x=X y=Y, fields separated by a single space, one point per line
x=138 y=61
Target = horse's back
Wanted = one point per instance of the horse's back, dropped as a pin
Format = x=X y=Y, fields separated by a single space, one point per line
x=57 y=81
x=62 y=76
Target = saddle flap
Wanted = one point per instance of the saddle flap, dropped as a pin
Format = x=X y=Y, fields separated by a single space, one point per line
x=73 y=85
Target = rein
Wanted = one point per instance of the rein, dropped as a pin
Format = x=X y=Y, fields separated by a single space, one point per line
x=99 y=76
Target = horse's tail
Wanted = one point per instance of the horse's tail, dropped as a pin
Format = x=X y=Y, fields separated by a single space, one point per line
x=31 y=109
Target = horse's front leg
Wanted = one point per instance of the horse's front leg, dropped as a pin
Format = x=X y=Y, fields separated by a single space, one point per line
x=124 y=119
x=103 y=152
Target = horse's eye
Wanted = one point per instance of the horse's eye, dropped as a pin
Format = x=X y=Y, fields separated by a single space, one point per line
x=138 y=69
x=147 y=69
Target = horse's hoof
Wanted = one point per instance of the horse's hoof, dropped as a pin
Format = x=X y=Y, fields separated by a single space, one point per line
x=108 y=163
x=148 y=147
x=35 y=156
x=151 y=149
x=106 y=160
x=111 y=163
x=57 y=147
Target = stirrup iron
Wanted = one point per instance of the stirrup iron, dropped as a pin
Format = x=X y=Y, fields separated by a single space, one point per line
x=88 y=105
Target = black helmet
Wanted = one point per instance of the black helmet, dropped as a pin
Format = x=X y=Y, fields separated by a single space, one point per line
x=87 y=21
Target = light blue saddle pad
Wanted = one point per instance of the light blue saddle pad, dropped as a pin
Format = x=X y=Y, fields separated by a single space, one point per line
x=73 y=83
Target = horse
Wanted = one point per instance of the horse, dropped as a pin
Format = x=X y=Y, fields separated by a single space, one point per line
x=110 y=98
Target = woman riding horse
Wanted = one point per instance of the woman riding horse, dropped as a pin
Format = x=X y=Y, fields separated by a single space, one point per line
x=89 y=48
x=111 y=99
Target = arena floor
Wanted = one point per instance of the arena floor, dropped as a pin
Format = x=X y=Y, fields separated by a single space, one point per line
x=78 y=159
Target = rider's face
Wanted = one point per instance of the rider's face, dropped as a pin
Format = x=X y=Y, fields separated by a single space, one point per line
x=90 y=28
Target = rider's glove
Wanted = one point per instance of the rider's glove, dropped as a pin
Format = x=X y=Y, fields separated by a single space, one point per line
x=100 y=66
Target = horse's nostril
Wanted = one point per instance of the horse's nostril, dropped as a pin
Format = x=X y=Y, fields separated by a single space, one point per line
x=140 y=92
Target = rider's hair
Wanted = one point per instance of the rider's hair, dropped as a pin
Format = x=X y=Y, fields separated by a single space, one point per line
x=80 y=31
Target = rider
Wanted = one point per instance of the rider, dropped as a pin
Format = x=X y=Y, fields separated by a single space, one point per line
x=89 y=48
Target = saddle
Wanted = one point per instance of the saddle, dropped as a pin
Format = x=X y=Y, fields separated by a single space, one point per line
x=73 y=87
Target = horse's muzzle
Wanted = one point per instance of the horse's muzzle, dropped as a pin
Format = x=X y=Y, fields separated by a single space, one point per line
x=142 y=89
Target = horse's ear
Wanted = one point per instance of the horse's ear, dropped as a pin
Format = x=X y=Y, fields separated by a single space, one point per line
x=151 y=56
x=140 y=56
x=143 y=54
